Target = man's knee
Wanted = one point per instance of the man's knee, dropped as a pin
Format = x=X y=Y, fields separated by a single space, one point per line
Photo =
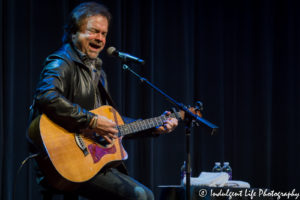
x=143 y=193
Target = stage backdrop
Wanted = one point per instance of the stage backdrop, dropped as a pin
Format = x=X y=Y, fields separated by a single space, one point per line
x=240 y=58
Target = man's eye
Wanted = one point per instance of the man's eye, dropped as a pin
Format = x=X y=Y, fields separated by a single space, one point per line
x=92 y=31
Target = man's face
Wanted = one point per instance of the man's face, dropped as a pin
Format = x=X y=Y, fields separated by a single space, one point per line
x=91 y=37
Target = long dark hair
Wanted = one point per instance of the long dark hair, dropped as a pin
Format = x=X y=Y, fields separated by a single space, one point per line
x=81 y=12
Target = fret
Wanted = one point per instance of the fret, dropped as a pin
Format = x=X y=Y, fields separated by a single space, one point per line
x=144 y=124
x=121 y=130
x=131 y=129
x=156 y=121
x=138 y=125
x=141 y=125
x=164 y=118
x=134 y=127
x=161 y=121
x=124 y=129
x=148 y=123
x=127 y=129
x=151 y=124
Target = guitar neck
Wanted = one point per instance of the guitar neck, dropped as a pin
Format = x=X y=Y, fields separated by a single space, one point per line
x=145 y=124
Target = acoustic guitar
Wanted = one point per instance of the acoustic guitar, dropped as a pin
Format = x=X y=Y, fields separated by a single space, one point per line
x=79 y=157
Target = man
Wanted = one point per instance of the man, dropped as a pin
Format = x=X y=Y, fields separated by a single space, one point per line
x=69 y=88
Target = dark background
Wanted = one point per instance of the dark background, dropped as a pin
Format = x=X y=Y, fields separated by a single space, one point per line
x=239 y=57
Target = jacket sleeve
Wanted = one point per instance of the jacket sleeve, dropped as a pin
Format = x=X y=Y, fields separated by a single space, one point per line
x=50 y=97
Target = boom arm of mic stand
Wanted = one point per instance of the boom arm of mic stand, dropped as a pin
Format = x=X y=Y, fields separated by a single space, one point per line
x=188 y=114
x=173 y=101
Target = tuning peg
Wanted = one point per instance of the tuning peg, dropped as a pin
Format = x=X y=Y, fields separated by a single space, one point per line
x=199 y=105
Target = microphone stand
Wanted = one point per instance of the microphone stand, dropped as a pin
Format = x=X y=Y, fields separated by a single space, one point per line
x=190 y=119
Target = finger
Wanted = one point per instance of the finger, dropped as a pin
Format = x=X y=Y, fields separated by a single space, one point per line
x=169 y=123
x=160 y=129
x=168 y=127
x=166 y=113
x=113 y=130
x=106 y=120
x=112 y=136
x=107 y=139
x=173 y=122
x=112 y=123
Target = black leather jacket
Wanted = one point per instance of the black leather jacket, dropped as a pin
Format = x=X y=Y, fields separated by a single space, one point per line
x=66 y=91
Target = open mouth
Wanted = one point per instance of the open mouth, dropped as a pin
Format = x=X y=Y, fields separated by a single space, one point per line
x=95 y=46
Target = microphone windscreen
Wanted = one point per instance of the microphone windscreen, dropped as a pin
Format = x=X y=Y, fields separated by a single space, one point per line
x=110 y=51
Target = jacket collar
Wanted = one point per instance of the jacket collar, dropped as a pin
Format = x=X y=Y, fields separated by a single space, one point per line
x=69 y=52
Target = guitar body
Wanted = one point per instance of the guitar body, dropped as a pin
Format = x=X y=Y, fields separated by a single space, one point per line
x=66 y=156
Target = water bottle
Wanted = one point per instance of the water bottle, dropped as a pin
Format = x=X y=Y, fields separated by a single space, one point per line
x=217 y=167
x=226 y=168
x=182 y=173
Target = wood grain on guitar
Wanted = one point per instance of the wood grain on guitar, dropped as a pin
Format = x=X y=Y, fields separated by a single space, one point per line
x=68 y=158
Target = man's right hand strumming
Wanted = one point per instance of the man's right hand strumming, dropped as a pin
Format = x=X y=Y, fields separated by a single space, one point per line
x=104 y=127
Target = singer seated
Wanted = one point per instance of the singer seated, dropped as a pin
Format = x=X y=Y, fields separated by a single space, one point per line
x=72 y=83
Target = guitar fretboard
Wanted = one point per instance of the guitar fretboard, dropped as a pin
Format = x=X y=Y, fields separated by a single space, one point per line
x=142 y=125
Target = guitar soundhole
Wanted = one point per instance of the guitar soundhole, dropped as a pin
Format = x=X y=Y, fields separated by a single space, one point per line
x=100 y=140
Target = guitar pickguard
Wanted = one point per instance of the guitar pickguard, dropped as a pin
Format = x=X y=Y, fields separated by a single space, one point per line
x=98 y=152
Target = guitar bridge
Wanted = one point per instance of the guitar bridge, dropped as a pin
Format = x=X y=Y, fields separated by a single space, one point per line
x=81 y=144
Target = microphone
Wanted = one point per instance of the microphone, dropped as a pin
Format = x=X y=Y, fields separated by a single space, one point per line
x=111 y=51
